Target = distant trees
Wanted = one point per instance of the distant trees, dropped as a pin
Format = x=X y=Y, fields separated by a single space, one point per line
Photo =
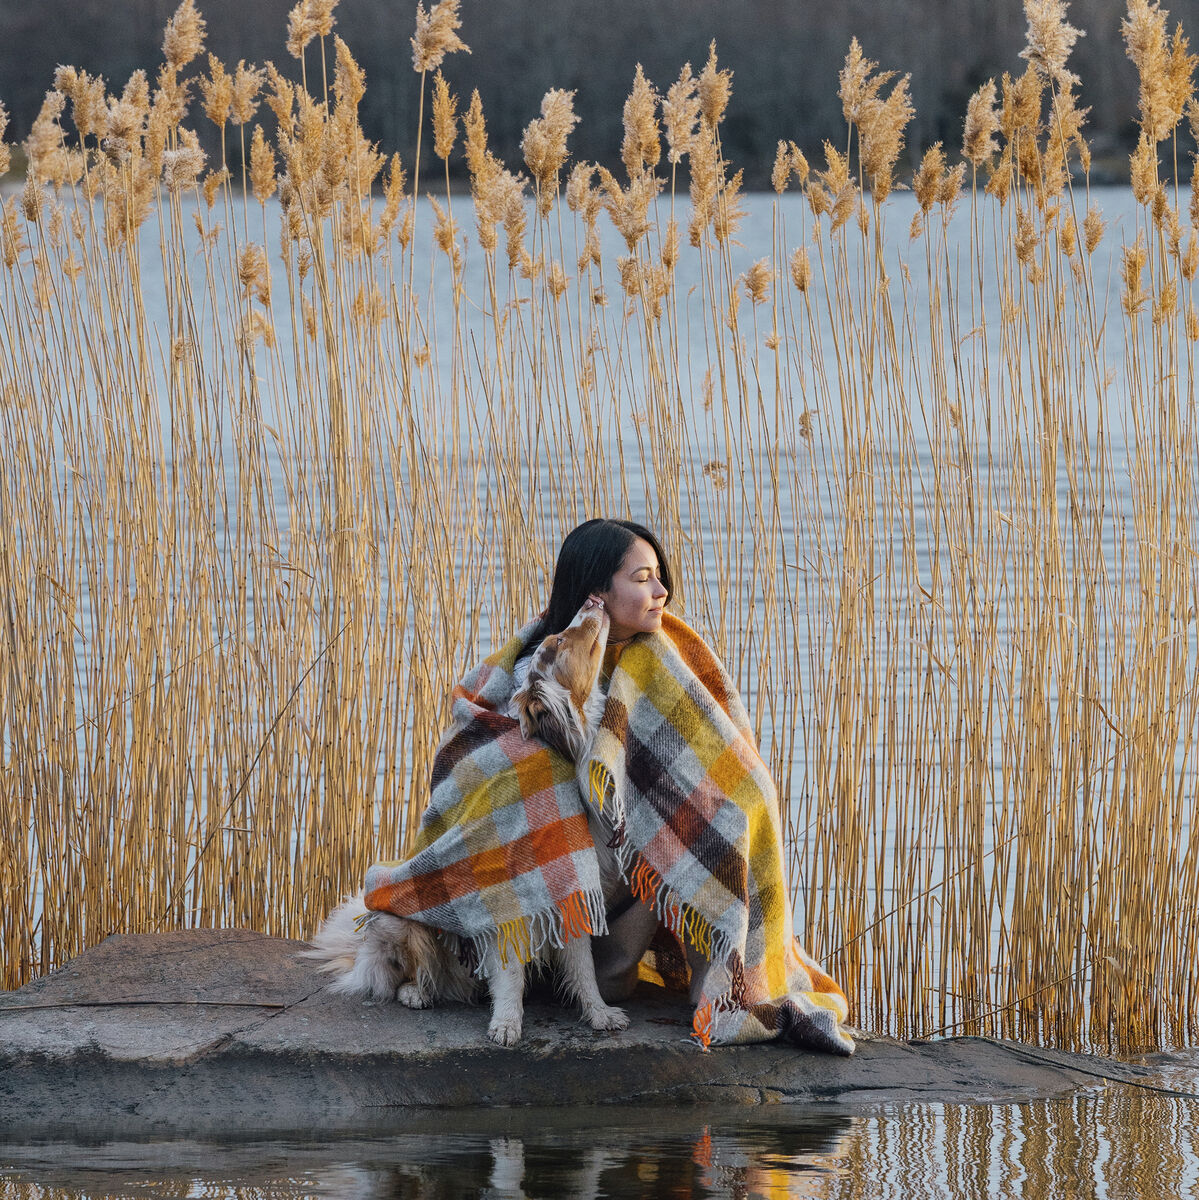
x=785 y=55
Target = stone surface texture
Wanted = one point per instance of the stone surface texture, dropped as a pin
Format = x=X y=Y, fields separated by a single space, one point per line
x=211 y=1029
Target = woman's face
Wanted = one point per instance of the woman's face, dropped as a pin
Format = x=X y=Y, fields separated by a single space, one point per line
x=637 y=596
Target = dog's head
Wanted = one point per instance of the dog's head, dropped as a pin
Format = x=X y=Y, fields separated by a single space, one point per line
x=559 y=701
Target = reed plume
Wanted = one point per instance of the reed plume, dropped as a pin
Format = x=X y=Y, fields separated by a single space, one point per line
x=184 y=36
x=544 y=144
x=801 y=269
x=217 y=89
x=181 y=168
x=89 y=108
x=642 y=146
x=881 y=129
x=262 y=167
x=713 y=90
x=1146 y=44
x=629 y=208
x=1049 y=41
x=780 y=173
x=445 y=117
x=978 y=133
x=680 y=114
x=436 y=35
x=301 y=28
x=474 y=130
x=349 y=80
x=757 y=281
x=926 y=184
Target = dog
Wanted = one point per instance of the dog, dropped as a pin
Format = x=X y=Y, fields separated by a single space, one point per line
x=382 y=956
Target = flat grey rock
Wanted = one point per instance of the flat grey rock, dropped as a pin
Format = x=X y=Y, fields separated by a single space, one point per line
x=226 y=1029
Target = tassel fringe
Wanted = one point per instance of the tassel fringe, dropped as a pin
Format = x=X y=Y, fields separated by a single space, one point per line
x=602 y=783
x=681 y=919
x=581 y=914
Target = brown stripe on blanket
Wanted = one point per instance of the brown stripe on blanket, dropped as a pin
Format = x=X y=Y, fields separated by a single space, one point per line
x=690 y=826
x=483 y=730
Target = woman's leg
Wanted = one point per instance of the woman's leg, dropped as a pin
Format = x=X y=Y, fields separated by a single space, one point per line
x=617 y=954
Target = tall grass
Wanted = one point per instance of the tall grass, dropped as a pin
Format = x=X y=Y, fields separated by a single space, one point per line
x=287 y=445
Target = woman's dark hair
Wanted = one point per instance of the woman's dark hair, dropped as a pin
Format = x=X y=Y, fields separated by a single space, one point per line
x=590 y=555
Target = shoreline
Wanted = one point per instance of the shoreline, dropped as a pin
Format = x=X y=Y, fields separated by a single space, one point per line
x=210 y=1031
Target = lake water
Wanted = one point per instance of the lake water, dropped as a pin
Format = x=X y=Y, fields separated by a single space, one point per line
x=1114 y=1142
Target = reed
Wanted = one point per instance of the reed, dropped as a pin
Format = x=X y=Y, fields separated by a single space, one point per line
x=286 y=445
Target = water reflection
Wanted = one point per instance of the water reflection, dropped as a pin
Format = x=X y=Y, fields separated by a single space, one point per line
x=497 y=1155
x=1108 y=1142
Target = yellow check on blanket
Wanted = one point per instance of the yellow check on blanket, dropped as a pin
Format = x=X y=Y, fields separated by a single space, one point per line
x=504 y=856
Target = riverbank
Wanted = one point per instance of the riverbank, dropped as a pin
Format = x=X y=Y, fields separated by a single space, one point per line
x=209 y=1030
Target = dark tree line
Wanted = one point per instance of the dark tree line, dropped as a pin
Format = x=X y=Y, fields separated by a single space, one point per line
x=785 y=55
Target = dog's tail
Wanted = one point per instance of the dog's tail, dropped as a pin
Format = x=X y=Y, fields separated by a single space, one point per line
x=361 y=965
x=336 y=943
x=372 y=953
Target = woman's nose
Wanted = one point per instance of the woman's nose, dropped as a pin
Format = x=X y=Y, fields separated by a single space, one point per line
x=660 y=588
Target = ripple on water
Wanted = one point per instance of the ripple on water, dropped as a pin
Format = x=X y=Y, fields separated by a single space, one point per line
x=1117 y=1141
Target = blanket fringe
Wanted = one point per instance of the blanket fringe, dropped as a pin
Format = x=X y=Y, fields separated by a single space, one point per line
x=681 y=919
x=581 y=914
x=601 y=791
x=576 y=918
x=602 y=783
x=703 y=1024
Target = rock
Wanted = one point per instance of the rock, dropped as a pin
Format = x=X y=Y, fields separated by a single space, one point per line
x=219 y=1029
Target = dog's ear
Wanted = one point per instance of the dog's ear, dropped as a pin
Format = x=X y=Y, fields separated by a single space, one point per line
x=555 y=735
x=530 y=708
x=541 y=719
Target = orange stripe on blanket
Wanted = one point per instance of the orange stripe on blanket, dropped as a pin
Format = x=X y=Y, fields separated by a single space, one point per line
x=825 y=983
x=489 y=868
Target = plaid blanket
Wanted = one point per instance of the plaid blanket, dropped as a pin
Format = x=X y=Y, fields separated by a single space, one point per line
x=697 y=819
x=504 y=855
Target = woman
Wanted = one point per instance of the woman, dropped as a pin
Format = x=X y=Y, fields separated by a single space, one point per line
x=700 y=846
x=675 y=774
x=622 y=563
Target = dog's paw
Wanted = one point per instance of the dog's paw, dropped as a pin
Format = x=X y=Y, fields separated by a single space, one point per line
x=606 y=1017
x=505 y=1031
x=410 y=996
